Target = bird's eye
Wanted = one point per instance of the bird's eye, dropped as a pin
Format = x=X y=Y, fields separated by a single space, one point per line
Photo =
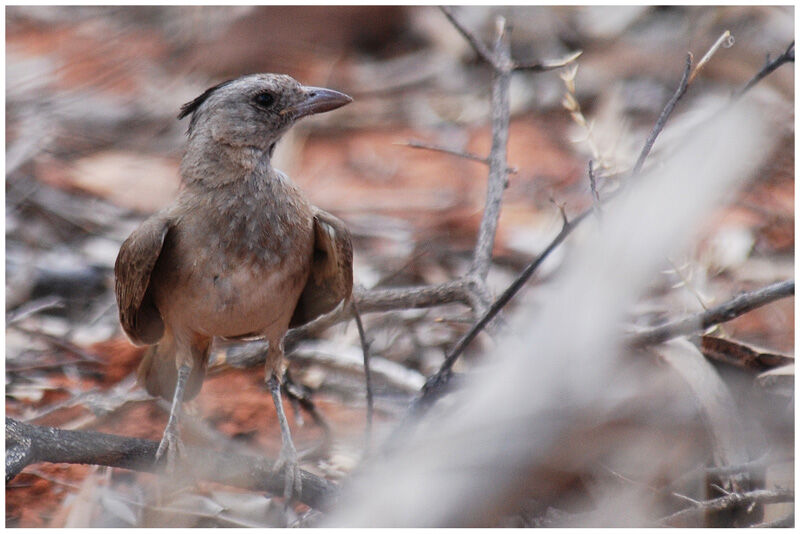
x=265 y=99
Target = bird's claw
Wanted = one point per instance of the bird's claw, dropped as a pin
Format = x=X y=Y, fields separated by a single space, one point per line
x=287 y=462
x=171 y=446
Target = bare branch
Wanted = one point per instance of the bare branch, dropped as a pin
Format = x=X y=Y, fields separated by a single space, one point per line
x=32 y=444
x=476 y=44
x=665 y=113
x=498 y=175
x=735 y=307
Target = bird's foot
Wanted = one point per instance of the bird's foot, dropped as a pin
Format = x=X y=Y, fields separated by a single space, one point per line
x=172 y=446
x=287 y=462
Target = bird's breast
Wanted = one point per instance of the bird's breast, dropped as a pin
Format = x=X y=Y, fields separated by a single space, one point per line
x=235 y=265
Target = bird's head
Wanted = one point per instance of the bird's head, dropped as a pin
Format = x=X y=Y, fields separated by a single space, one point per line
x=256 y=110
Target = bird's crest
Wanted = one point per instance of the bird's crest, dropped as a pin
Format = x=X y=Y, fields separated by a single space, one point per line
x=191 y=107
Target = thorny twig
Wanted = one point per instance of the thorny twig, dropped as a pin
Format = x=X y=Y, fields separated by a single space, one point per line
x=786 y=57
x=719 y=314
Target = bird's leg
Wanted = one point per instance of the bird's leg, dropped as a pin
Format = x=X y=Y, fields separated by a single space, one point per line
x=288 y=456
x=171 y=444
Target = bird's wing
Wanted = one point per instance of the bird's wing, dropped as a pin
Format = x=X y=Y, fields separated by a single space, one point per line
x=331 y=278
x=138 y=255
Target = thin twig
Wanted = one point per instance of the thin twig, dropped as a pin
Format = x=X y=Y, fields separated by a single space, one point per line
x=726 y=40
x=551 y=64
x=735 y=307
x=367 y=375
x=453 y=152
x=766 y=70
x=476 y=44
x=665 y=113
x=32 y=308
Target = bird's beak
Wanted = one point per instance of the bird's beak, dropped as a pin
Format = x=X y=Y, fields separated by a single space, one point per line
x=317 y=100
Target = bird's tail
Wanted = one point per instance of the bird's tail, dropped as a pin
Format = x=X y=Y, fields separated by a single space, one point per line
x=158 y=371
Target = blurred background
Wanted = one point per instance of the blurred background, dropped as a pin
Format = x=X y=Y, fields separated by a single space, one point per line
x=93 y=147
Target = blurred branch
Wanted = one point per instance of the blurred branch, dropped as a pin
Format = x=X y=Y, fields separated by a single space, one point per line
x=735 y=307
x=720 y=413
x=33 y=307
x=783 y=522
x=728 y=502
x=786 y=57
x=62 y=344
x=476 y=44
x=551 y=64
x=29 y=444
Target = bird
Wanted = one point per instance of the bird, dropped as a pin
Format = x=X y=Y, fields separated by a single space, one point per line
x=239 y=254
